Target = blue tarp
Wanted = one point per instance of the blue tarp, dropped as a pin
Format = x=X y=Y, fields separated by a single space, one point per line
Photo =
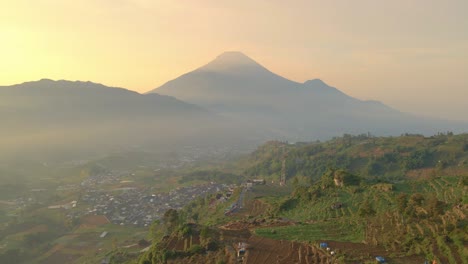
x=380 y=259
x=323 y=245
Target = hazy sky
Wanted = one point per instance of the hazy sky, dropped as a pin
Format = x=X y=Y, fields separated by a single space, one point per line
x=412 y=55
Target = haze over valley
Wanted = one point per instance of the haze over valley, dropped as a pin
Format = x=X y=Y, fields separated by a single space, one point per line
x=231 y=102
x=108 y=174
x=233 y=132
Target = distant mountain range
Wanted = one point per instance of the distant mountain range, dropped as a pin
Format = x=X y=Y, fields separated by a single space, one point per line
x=234 y=85
x=63 y=118
x=231 y=101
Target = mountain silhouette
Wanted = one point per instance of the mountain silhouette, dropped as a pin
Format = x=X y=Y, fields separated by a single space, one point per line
x=236 y=86
x=82 y=118
x=232 y=101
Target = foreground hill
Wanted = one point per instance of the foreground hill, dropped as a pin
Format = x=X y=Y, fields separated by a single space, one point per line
x=237 y=86
x=384 y=158
x=405 y=223
x=358 y=219
x=403 y=199
x=64 y=118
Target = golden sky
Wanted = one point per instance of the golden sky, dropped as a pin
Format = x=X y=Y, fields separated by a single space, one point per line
x=412 y=55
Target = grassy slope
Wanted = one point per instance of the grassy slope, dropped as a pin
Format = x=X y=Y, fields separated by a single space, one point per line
x=432 y=166
x=390 y=158
x=442 y=235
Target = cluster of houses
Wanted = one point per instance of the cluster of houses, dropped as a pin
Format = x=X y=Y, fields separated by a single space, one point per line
x=223 y=196
x=67 y=206
x=107 y=177
x=132 y=206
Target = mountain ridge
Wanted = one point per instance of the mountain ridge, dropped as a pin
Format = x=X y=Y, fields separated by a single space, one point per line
x=242 y=88
x=242 y=104
x=68 y=118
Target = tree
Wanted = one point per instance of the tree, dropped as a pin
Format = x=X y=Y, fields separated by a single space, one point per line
x=195 y=249
x=375 y=168
x=171 y=219
x=155 y=230
x=295 y=182
x=204 y=232
x=195 y=216
x=366 y=209
x=402 y=201
x=416 y=199
x=417 y=159
x=185 y=230
x=434 y=206
x=465 y=146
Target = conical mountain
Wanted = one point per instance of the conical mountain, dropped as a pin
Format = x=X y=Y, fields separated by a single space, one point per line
x=232 y=61
x=237 y=86
x=233 y=76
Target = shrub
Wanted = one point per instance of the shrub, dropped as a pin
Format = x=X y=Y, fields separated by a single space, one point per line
x=196 y=249
x=185 y=230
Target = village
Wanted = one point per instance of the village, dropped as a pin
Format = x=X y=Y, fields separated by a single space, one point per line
x=113 y=194
x=138 y=207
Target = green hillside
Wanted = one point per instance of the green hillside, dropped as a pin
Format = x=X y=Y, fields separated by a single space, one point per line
x=422 y=217
x=390 y=158
x=401 y=197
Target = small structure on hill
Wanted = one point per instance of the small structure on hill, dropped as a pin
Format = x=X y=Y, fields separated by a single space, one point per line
x=343 y=178
x=259 y=181
x=323 y=245
x=241 y=250
x=336 y=205
x=338 y=182
x=256 y=182
x=380 y=259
